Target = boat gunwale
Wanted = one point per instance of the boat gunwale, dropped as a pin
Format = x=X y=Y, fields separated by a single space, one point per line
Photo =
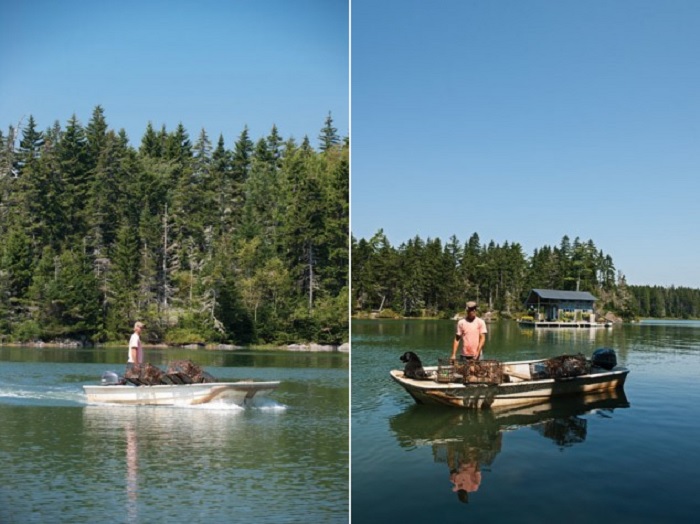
x=430 y=384
x=244 y=384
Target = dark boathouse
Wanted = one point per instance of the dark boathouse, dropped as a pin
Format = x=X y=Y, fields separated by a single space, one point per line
x=556 y=308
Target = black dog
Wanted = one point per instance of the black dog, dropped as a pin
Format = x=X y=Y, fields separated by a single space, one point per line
x=414 y=367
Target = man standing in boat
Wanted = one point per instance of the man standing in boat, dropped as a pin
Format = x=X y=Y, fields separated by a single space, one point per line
x=471 y=330
x=135 y=348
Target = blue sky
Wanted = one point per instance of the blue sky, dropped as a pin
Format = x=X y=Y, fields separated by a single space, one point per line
x=528 y=120
x=218 y=65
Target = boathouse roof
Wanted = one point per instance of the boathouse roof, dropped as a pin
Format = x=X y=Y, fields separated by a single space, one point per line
x=555 y=294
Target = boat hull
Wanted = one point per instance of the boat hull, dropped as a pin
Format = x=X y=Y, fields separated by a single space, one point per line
x=184 y=394
x=517 y=392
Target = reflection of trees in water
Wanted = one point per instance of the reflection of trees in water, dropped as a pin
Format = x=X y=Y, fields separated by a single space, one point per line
x=567 y=431
x=564 y=432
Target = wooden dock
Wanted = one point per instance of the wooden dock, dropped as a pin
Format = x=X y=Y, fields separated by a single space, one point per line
x=555 y=324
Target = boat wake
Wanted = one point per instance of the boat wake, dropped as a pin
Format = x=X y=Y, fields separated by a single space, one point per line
x=266 y=404
x=225 y=406
x=28 y=395
x=255 y=404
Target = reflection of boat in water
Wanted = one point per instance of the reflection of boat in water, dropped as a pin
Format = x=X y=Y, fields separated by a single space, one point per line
x=469 y=440
x=137 y=444
x=523 y=382
x=132 y=471
x=177 y=461
x=418 y=426
x=209 y=424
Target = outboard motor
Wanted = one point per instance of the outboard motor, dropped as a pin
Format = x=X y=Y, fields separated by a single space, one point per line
x=604 y=358
x=110 y=378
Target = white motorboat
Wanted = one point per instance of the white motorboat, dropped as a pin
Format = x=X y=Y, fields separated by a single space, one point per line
x=240 y=393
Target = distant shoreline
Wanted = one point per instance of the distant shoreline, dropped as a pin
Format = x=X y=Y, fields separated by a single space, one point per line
x=311 y=348
x=636 y=321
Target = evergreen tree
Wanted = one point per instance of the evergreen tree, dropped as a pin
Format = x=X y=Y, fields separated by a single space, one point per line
x=221 y=188
x=29 y=146
x=381 y=272
x=191 y=201
x=306 y=234
x=7 y=156
x=227 y=309
x=151 y=144
x=96 y=135
x=16 y=263
x=70 y=300
x=178 y=147
x=337 y=223
x=42 y=291
x=74 y=168
x=39 y=201
x=241 y=163
x=274 y=146
x=261 y=208
x=106 y=195
x=329 y=135
x=306 y=146
x=242 y=156
x=150 y=279
x=124 y=281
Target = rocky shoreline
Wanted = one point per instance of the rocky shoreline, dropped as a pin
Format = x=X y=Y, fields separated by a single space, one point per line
x=311 y=348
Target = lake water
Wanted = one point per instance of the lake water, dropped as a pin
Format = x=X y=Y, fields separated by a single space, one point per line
x=283 y=459
x=627 y=458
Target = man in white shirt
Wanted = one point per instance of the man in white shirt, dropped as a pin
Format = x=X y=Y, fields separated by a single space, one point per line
x=135 y=348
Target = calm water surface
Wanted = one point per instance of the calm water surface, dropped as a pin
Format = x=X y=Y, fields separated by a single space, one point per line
x=622 y=458
x=284 y=459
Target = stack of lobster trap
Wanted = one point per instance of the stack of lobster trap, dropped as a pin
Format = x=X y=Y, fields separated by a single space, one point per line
x=481 y=372
x=179 y=372
x=471 y=372
x=564 y=366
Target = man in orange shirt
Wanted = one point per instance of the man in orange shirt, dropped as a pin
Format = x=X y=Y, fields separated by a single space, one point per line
x=471 y=330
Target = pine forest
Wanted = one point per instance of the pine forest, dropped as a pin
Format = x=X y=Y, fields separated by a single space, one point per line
x=426 y=278
x=204 y=243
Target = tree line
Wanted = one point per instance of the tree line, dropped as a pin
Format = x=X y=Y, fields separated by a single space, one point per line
x=435 y=279
x=203 y=242
x=666 y=302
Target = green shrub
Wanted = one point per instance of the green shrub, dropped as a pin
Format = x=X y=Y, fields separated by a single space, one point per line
x=387 y=313
x=183 y=336
x=27 y=331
